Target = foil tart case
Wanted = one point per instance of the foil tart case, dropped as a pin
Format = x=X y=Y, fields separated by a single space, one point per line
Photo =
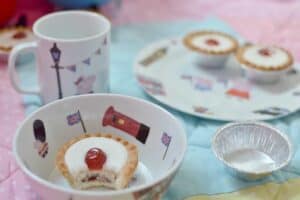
x=252 y=150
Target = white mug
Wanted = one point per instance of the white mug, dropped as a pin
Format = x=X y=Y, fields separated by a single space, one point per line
x=72 y=53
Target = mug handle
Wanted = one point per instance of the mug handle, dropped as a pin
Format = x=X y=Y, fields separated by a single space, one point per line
x=21 y=48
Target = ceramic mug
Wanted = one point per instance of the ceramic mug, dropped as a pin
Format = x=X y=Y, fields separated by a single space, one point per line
x=72 y=53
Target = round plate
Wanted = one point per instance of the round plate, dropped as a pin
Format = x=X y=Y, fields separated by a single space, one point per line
x=171 y=74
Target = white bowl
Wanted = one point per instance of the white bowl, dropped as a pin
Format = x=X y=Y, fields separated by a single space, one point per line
x=252 y=150
x=159 y=156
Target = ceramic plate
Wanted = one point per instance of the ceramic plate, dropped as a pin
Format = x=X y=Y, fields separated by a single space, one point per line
x=171 y=74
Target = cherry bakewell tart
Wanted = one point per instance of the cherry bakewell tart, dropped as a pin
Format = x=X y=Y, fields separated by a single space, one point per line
x=265 y=58
x=264 y=63
x=97 y=160
x=210 y=42
x=11 y=37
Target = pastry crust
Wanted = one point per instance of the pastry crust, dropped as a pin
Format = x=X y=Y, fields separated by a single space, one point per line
x=125 y=174
x=242 y=60
x=188 y=42
x=4 y=30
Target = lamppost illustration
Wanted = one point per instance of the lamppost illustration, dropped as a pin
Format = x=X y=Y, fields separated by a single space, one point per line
x=55 y=53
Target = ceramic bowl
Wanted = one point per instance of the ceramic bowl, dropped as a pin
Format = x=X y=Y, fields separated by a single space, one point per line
x=160 y=153
x=252 y=150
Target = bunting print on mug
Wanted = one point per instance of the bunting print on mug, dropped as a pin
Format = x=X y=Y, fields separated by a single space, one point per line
x=86 y=61
x=84 y=84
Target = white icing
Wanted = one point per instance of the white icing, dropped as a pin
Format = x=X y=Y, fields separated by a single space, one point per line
x=116 y=154
x=277 y=57
x=7 y=40
x=224 y=42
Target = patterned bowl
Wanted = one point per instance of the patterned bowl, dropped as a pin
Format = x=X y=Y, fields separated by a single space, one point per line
x=161 y=146
x=252 y=150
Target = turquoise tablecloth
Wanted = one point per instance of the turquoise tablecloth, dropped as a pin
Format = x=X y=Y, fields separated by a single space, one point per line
x=201 y=172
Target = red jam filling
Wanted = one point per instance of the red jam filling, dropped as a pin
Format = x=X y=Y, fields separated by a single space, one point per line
x=265 y=52
x=95 y=159
x=19 y=35
x=92 y=178
x=100 y=178
x=212 y=42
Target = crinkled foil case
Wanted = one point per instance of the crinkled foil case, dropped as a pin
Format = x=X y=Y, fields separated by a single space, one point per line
x=252 y=150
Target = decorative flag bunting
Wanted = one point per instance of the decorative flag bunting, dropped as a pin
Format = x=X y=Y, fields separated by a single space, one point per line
x=202 y=84
x=166 y=140
x=87 y=61
x=223 y=81
x=75 y=118
x=200 y=109
x=84 y=84
x=98 y=51
x=71 y=68
x=105 y=41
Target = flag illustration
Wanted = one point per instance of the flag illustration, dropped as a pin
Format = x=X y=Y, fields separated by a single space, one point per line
x=71 y=68
x=222 y=81
x=87 y=61
x=240 y=89
x=105 y=41
x=202 y=84
x=75 y=118
x=166 y=140
x=98 y=51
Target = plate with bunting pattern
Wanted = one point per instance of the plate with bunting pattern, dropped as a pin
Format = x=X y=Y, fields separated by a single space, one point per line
x=173 y=75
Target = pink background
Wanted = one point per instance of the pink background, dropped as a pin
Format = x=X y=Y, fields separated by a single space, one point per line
x=268 y=21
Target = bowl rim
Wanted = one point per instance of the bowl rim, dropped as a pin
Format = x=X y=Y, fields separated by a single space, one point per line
x=256 y=123
x=48 y=184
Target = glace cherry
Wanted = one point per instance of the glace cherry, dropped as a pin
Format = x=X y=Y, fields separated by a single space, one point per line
x=265 y=52
x=19 y=35
x=95 y=159
x=212 y=42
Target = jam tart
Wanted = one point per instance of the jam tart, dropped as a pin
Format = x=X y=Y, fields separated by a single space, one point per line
x=13 y=36
x=265 y=58
x=210 y=42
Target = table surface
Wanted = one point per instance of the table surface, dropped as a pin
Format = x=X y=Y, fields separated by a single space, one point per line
x=268 y=21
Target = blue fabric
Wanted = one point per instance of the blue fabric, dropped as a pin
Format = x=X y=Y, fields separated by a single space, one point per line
x=201 y=172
